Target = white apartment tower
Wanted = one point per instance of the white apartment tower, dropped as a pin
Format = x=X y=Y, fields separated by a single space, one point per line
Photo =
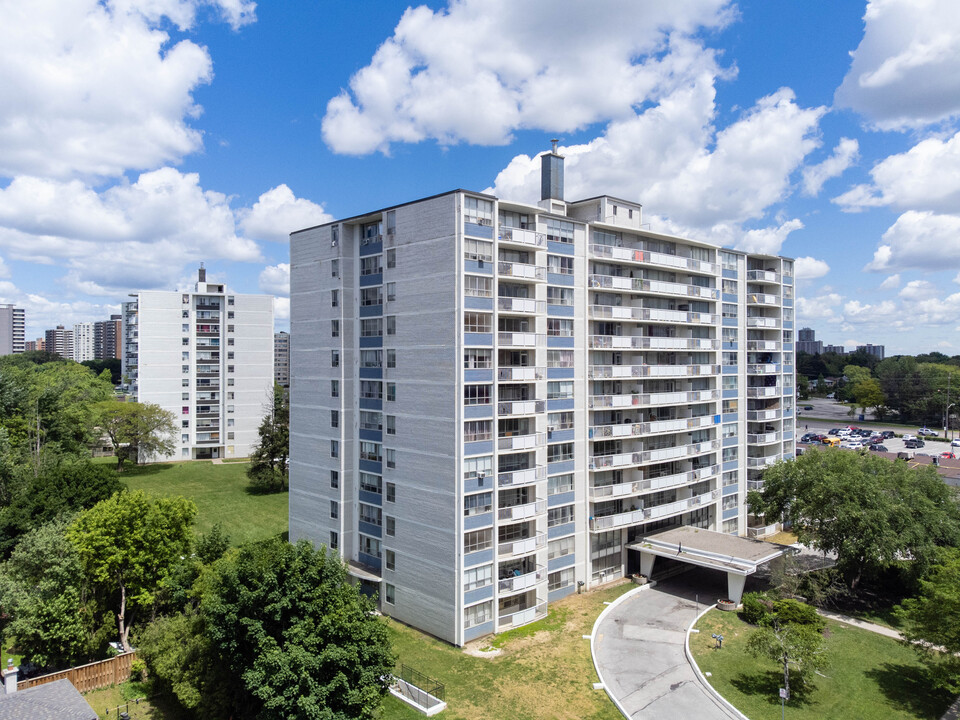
x=207 y=356
x=83 y=345
x=491 y=400
x=12 y=326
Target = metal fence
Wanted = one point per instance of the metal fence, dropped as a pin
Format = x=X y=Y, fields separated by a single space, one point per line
x=417 y=681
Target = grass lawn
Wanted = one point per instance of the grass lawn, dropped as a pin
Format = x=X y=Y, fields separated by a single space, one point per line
x=867 y=676
x=544 y=669
x=221 y=495
x=132 y=698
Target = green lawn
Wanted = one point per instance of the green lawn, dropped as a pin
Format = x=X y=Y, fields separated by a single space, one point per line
x=220 y=492
x=867 y=676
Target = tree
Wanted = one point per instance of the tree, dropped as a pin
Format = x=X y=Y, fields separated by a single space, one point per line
x=297 y=639
x=803 y=387
x=870 y=511
x=931 y=621
x=136 y=429
x=868 y=394
x=268 y=468
x=799 y=646
x=129 y=543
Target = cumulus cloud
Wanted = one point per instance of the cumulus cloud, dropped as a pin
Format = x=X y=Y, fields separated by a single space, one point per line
x=892 y=282
x=855 y=311
x=808 y=268
x=844 y=155
x=278 y=212
x=479 y=70
x=906 y=70
x=819 y=309
x=919 y=240
x=275 y=279
x=769 y=240
x=95 y=88
x=281 y=308
x=918 y=290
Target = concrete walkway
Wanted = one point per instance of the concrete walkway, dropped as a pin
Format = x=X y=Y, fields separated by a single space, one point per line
x=862 y=624
x=639 y=652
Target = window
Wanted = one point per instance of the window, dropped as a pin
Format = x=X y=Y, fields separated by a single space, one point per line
x=479 y=250
x=184 y=341
x=477 y=577
x=560 y=327
x=391 y=527
x=335 y=479
x=391 y=494
x=370 y=420
x=391 y=325
x=185 y=438
x=475 y=322
x=185 y=410
x=477 y=614
x=559 y=390
x=729 y=406
x=559 y=295
x=391 y=291
x=371 y=296
x=476 y=394
x=185 y=314
x=729 y=382
x=370 y=233
x=477 y=430
x=230 y=342
x=371 y=514
x=370 y=265
x=559 y=548
x=334 y=509
x=560 y=484
x=729 y=358
x=477 y=358
x=334 y=298
x=559 y=452
x=185 y=396
x=334 y=358
x=730 y=453
x=391 y=358
x=230 y=368
x=334 y=236
x=185 y=368
x=230 y=355
x=185 y=423
x=561 y=578
x=730 y=478
x=477 y=467
x=477 y=540
x=334 y=418
x=729 y=310
x=185 y=298
x=185 y=355
x=391 y=258
x=477 y=504
x=334 y=388
x=335 y=268
x=371 y=358
x=334 y=540
x=391 y=425
x=729 y=335
x=334 y=448
x=185 y=382
x=560 y=421
x=477 y=211
x=391 y=392
x=560 y=358
x=560 y=264
x=229 y=314
x=729 y=287
x=728 y=260
x=729 y=430
x=229 y=382
x=370 y=451
x=371 y=327
x=390 y=559
x=334 y=328
x=369 y=546
x=371 y=483
x=391 y=458
x=559 y=230
x=474 y=286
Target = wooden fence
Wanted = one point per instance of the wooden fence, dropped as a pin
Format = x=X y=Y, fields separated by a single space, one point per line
x=91 y=676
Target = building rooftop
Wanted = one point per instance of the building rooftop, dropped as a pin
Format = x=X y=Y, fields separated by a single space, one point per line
x=57 y=700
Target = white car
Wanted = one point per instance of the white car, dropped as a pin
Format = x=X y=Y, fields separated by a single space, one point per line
x=844 y=432
x=908 y=436
x=852 y=444
x=955 y=443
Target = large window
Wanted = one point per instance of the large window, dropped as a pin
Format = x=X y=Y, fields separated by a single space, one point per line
x=369 y=546
x=559 y=390
x=560 y=515
x=477 y=250
x=560 y=484
x=371 y=327
x=477 y=614
x=560 y=327
x=560 y=358
x=371 y=514
x=476 y=430
x=370 y=451
x=371 y=389
x=477 y=467
x=561 y=547
x=476 y=286
x=370 y=265
x=559 y=452
x=474 y=322
x=371 y=296
x=371 y=483
x=370 y=420
x=477 y=577
x=559 y=230
x=476 y=394
x=371 y=358
x=560 y=264
x=559 y=295
x=477 y=540
x=477 y=504
x=560 y=579
x=477 y=210
x=477 y=358
x=560 y=421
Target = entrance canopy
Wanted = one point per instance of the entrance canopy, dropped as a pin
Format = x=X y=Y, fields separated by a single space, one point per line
x=362 y=572
x=737 y=556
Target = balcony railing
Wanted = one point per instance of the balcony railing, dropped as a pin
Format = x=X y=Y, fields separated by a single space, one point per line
x=522 y=617
x=653 y=258
x=768 y=276
x=521 y=407
x=651 y=399
x=630 y=459
x=762 y=299
x=521 y=339
x=675 y=508
x=518 y=583
x=527 y=476
x=521 y=373
x=763 y=392
x=763 y=369
x=763 y=438
x=651 y=428
x=524 y=546
x=611 y=522
x=520 y=236
x=768 y=345
x=617 y=282
x=522 y=442
x=755 y=415
x=762 y=322
x=522 y=512
x=761 y=530
x=639 y=342
x=526 y=306
x=762 y=462
x=522 y=271
x=658 y=371
x=627 y=312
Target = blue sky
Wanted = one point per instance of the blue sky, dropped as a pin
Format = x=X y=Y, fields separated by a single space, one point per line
x=140 y=137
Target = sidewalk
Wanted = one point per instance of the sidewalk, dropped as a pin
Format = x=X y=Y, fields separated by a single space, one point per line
x=862 y=624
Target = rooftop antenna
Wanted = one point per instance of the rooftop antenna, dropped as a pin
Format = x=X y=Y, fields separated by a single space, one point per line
x=554 y=142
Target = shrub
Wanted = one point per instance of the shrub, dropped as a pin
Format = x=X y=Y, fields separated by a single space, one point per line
x=756 y=609
x=138 y=670
x=794 y=612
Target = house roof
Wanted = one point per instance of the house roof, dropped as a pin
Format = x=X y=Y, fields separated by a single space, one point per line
x=57 y=700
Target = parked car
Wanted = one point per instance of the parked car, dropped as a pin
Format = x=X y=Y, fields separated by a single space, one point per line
x=808 y=407
x=833 y=431
x=852 y=444
x=926 y=432
x=876 y=439
x=955 y=443
x=865 y=433
x=809 y=438
x=831 y=441
x=888 y=434
x=948 y=455
x=908 y=436
x=877 y=447
x=914 y=443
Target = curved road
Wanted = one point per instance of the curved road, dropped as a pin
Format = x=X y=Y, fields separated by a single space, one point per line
x=639 y=651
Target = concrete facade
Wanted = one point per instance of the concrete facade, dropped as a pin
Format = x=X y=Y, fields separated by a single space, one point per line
x=12 y=327
x=281 y=359
x=83 y=345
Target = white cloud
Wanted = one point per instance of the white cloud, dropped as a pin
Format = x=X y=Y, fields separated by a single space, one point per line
x=921 y=240
x=844 y=155
x=281 y=308
x=854 y=311
x=94 y=88
x=906 y=70
x=481 y=69
x=278 y=212
x=818 y=309
x=769 y=240
x=4 y=270
x=892 y=282
x=808 y=268
x=275 y=279
x=918 y=290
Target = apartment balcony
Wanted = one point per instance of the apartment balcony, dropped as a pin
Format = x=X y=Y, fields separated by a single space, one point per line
x=754 y=485
x=641 y=457
x=758 y=321
x=208 y=386
x=762 y=462
x=521 y=306
x=208 y=358
x=519 y=583
x=521 y=407
x=651 y=371
x=522 y=236
x=522 y=512
x=675 y=508
x=522 y=271
x=758 y=415
x=525 y=546
x=517 y=478
x=595 y=402
x=763 y=345
x=598 y=402
x=763 y=369
x=656 y=427
x=616 y=312
x=522 y=617
x=619 y=520
x=618 y=460
x=657 y=287
x=522 y=442
x=763 y=438
x=759 y=531
x=653 y=258
x=766 y=276
x=521 y=339
x=763 y=299
x=641 y=342
x=764 y=392
x=205 y=306
x=522 y=374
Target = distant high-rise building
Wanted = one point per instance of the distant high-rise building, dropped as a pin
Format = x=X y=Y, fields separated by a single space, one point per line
x=32 y=345
x=281 y=358
x=106 y=338
x=12 y=324
x=807 y=342
x=875 y=350
x=83 y=342
x=60 y=341
x=838 y=349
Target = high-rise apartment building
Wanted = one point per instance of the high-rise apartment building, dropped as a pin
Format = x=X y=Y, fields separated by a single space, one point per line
x=83 y=344
x=207 y=356
x=491 y=400
x=875 y=350
x=12 y=327
x=106 y=338
x=281 y=358
x=60 y=341
x=807 y=342
x=838 y=349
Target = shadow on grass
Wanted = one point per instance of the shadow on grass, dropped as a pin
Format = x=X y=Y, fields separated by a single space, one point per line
x=909 y=686
x=767 y=685
x=258 y=490
x=132 y=471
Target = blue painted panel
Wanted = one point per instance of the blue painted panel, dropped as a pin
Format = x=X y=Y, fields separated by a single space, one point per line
x=474 y=596
x=730 y=441
x=475 y=484
x=473 y=522
x=731 y=513
x=564 y=498
x=560 y=373
x=478 y=558
x=370 y=529
x=560 y=342
x=559 y=248
x=371 y=404
x=482 y=447
x=560 y=404
x=730 y=417
x=372 y=435
x=729 y=394
x=559 y=593
x=730 y=489
x=371 y=342
x=559 y=279
x=729 y=369
x=788 y=324
x=716 y=419
x=729 y=322
x=478 y=303
x=477 y=412
x=371 y=498
x=788 y=302
x=369 y=560
x=558 y=468
x=371 y=373
x=732 y=274
x=729 y=298
x=477 y=339
x=371 y=280
x=371 y=311
x=561 y=530
x=729 y=346
x=559 y=311
x=478 y=375
x=478 y=267
x=478 y=631
x=478 y=231
x=371 y=249
x=371 y=466
x=787 y=279
x=558 y=563
x=561 y=435
x=731 y=465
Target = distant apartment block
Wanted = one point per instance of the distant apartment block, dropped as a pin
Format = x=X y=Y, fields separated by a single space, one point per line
x=107 y=338
x=808 y=343
x=281 y=358
x=83 y=342
x=491 y=401
x=875 y=350
x=838 y=349
x=60 y=342
x=207 y=356
x=12 y=326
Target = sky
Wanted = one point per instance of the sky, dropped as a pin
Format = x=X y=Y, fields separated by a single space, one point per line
x=139 y=138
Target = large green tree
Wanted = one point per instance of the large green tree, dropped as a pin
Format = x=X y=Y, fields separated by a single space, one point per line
x=136 y=429
x=268 y=468
x=800 y=647
x=129 y=543
x=869 y=511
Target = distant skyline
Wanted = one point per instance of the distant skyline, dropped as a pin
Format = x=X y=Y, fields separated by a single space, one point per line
x=139 y=138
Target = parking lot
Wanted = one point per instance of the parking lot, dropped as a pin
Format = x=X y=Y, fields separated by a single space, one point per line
x=893 y=445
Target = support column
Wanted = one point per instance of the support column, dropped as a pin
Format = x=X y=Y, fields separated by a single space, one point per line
x=735 y=583
x=646 y=563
